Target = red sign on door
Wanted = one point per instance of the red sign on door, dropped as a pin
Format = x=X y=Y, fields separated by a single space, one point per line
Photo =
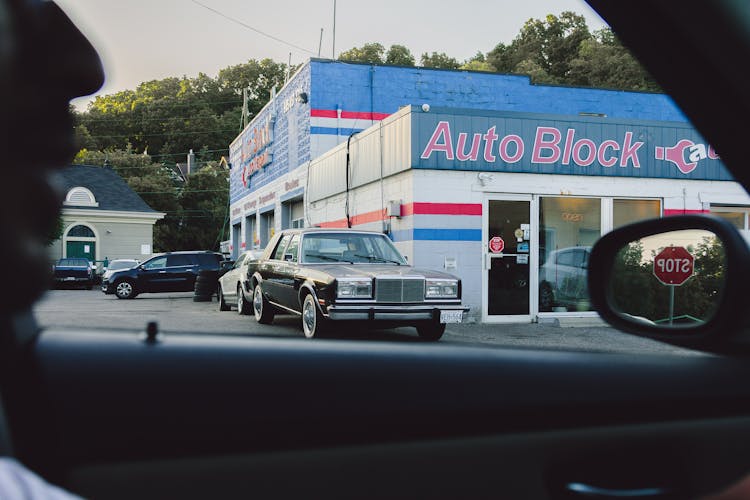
x=674 y=266
x=496 y=244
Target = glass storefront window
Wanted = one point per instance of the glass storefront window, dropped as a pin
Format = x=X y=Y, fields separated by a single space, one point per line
x=568 y=228
x=734 y=217
x=629 y=211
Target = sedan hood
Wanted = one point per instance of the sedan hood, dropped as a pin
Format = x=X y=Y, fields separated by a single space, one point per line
x=378 y=270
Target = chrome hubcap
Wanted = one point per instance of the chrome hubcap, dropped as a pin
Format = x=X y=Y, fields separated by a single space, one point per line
x=258 y=302
x=239 y=300
x=308 y=317
x=124 y=288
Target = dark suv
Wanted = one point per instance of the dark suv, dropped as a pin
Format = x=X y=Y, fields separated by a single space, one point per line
x=168 y=272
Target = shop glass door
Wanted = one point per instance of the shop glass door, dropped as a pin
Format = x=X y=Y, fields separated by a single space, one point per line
x=507 y=254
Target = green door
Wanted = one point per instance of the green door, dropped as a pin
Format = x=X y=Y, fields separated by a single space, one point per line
x=85 y=249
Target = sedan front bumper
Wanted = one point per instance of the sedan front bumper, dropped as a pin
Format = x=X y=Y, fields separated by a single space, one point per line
x=347 y=312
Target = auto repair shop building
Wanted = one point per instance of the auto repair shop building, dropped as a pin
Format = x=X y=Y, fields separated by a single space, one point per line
x=503 y=183
x=103 y=218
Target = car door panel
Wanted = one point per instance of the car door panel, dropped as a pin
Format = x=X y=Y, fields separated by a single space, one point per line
x=196 y=400
x=501 y=465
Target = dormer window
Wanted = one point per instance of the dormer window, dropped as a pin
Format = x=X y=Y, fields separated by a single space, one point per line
x=80 y=197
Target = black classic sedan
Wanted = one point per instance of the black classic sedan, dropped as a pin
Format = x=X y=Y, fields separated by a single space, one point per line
x=328 y=275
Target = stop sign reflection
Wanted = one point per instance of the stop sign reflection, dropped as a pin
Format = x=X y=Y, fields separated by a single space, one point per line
x=674 y=266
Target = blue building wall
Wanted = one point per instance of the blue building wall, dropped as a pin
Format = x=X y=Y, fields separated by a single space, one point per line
x=383 y=89
x=345 y=98
x=290 y=145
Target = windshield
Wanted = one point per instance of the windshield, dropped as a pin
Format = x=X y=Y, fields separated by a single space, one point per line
x=73 y=263
x=339 y=247
x=479 y=169
x=121 y=264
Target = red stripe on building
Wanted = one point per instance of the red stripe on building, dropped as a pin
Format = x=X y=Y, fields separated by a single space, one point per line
x=441 y=209
x=324 y=113
x=679 y=211
x=337 y=224
x=409 y=209
x=363 y=115
x=365 y=218
x=358 y=115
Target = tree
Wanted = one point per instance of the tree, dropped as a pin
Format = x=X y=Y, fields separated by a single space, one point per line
x=439 y=60
x=204 y=201
x=371 y=53
x=602 y=61
x=549 y=44
x=477 y=63
x=173 y=115
x=398 y=55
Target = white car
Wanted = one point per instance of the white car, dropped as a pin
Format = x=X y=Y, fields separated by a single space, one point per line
x=118 y=265
x=562 y=279
x=233 y=285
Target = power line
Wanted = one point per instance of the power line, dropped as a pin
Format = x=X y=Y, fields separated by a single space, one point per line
x=160 y=103
x=253 y=29
x=185 y=191
x=166 y=134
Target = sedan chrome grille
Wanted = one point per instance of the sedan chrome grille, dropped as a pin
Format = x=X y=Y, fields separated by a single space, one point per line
x=399 y=290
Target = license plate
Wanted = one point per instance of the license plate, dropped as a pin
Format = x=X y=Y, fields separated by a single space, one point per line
x=451 y=316
x=70 y=278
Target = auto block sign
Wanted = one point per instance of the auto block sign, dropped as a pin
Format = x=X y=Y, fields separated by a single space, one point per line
x=529 y=143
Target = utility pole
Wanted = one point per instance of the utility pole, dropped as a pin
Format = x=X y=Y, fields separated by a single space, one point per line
x=333 y=52
x=320 y=43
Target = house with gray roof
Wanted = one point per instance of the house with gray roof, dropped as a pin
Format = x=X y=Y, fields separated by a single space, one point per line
x=103 y=218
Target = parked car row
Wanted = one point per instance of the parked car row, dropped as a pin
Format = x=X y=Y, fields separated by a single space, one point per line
x=331 y=276
x=168 y=272
x=324 y=276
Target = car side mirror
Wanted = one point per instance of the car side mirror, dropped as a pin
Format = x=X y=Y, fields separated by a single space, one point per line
x=680 y=280
x=288 y=257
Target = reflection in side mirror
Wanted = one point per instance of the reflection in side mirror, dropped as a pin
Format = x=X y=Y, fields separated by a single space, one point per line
x=670 y=278
x=678 y=279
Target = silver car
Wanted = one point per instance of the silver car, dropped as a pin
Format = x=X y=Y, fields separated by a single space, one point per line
x=232 y=284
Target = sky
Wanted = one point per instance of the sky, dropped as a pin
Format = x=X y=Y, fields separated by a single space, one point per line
x=142 y=40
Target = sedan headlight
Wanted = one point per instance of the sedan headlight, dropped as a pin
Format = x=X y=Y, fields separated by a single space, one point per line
x=354 y=289
x=441 y=289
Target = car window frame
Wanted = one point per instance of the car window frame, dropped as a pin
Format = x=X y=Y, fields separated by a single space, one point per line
x=281 y=245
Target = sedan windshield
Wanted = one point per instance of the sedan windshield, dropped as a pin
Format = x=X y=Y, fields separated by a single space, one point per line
x=122 y=264
x=350 y=248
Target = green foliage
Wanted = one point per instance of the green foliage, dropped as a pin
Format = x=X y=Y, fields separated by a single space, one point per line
x=398 y=55
x=478 y=63
x=562 y=50
x=636 y=291
x=55 y=231
x=173 y=115
x=603 y=62
x=371 y=53
x=195 y=210
x=439 y=60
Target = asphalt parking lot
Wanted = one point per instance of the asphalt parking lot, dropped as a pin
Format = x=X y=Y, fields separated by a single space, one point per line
x=178 y=314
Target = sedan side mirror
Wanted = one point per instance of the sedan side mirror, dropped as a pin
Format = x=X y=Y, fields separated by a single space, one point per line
x=681 y=280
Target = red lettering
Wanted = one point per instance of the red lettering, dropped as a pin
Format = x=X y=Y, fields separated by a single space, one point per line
x=612 y=160
x=588 y=160
x=569 y=135
x=507 y=157
x=440 y=141
x=541 y=143
x=630 y=151
x=461 y=145
x=489 y=139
